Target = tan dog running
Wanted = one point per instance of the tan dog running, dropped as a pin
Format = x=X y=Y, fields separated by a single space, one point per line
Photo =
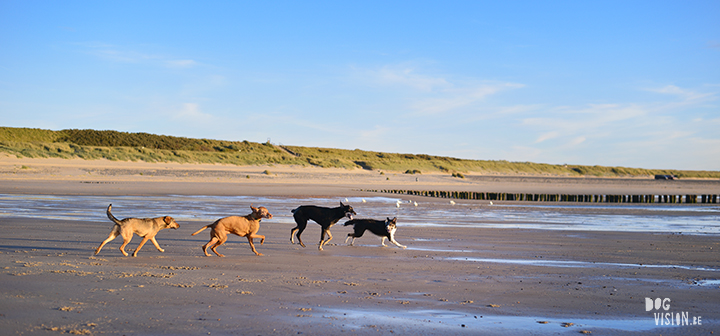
x=243 y=226
x=143 y=227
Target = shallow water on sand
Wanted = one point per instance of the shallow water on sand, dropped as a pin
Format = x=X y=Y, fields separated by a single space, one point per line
x=457 y=321
x=687 y=219
x=581 y=264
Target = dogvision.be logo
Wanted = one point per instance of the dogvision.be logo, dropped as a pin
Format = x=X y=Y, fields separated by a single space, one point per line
x=664 y=316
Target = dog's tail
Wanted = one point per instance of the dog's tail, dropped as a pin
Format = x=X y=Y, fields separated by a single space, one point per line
x=110 y=215
x=201 y=229
x=350 y=222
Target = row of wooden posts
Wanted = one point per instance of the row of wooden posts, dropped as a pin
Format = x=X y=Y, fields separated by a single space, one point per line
x=490 y=196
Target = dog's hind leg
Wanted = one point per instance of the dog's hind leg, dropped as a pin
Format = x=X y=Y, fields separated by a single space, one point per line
x=358 y=232
x=126 y=240
x=220 y=241
x=113 y=234
x=205 y=247
x=301 y=224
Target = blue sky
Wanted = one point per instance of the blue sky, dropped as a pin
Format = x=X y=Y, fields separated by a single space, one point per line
x=613 y=83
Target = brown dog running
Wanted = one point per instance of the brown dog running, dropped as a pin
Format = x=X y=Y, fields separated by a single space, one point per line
x=243 y=226
x=143 y=227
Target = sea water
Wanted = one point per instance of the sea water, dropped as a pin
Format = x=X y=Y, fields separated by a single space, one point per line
x=685 y=219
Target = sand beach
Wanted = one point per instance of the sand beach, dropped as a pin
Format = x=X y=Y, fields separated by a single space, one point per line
x=470 y=268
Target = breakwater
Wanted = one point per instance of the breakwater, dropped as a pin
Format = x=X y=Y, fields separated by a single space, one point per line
x=581 y=198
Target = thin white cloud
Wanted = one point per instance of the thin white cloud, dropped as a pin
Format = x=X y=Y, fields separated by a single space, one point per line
x=565 y=128
x=685 y=94
x=115 y=53
x=377 y=132
x=427 y=94
x=407 y=77
x=192 y=112
x=181 y=63
x=578 y=140
x=589 y=117
x=120 y=54
x=459 y=97
x=547 y=136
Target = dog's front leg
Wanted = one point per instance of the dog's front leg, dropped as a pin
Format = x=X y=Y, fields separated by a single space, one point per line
x=157 y=246
x=252 y=246
x=392 y=240
x=322 y=238
x=329 y=236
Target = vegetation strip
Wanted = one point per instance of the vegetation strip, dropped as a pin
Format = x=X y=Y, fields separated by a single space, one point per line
x=122 y=146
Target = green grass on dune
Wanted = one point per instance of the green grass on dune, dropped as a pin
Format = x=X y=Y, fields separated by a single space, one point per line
x=122 y=146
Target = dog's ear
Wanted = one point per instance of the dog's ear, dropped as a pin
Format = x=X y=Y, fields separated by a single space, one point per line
x=167 y=219
x=254 y=209
x=394 y=220
x=342 y=205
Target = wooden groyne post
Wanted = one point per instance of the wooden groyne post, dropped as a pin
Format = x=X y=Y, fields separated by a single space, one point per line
x=576 y=198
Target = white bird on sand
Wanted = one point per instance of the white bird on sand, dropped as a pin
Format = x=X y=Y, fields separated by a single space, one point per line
x=363 y=200
x=346 y=200
x=398 y=204
x=452 y=202
x=490 y=202
x=415 y=203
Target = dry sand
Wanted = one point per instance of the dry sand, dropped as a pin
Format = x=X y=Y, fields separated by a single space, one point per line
x=52 y=284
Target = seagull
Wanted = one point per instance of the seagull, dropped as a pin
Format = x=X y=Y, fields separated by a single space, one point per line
x=452 y=202
x=490 y=202
x=415 y=203
x=346 y=200
x=363 y=200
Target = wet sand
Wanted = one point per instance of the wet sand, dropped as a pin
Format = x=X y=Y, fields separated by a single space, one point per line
x=449 y=280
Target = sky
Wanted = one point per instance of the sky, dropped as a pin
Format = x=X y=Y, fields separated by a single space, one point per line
x=610 y=83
